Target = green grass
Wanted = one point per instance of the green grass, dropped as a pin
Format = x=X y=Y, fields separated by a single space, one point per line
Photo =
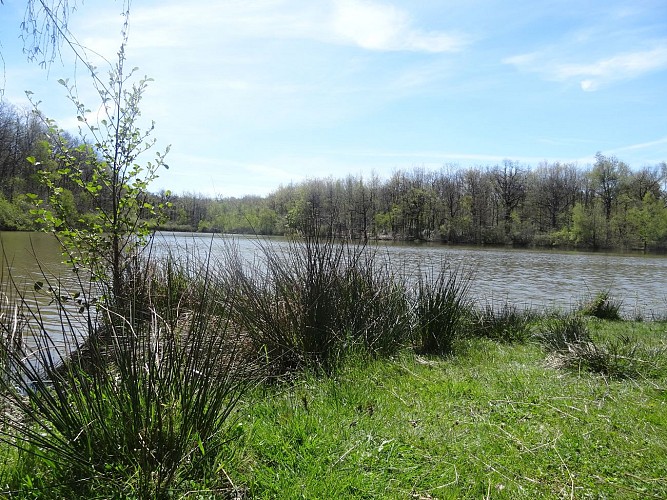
x=494 y=421
x=322 y=376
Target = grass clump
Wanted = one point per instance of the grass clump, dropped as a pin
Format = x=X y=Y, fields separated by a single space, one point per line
x=440 y=306
x=571 y=345
x=557 y=334
x=311 y=306
x=508 y=323
x=142 y=405
x=602 y=306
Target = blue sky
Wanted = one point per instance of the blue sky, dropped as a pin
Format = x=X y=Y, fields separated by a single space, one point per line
x=254 y=94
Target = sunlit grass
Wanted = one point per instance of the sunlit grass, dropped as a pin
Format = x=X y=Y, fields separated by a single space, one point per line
x=495 y=421
x=392 y=392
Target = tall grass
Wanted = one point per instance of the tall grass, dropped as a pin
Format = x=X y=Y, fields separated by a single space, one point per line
x=318 y=301
x=143 y=404
x=440 y=305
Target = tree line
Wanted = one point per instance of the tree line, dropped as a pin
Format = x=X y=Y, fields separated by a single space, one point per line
x=603 y=205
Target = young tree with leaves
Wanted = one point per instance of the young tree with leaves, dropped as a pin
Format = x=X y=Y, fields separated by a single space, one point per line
x=108 y=172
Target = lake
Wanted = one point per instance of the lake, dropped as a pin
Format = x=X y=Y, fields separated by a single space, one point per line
x=527 y=278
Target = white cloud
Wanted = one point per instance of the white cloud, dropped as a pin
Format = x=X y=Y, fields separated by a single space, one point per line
x=371 y=25
x=376 y=26
x=594 y=75
x=643 y=145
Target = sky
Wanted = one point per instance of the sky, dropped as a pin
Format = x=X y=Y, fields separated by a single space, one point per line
x=254 y=94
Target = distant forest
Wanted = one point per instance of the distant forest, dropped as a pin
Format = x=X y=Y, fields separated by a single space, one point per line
x=600 y=206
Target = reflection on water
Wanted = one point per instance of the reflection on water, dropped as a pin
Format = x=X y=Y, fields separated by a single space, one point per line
x=523 y=277
x=31 y=264
x=531 y=278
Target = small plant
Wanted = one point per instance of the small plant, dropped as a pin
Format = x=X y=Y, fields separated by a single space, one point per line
x=506 y=324
x=106 y=175
x=560 y=333
x=439 y=308
x=602 y=306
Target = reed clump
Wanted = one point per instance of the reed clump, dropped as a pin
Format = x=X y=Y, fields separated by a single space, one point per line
x=317 y=302
x=141 y=405
x=440 y=306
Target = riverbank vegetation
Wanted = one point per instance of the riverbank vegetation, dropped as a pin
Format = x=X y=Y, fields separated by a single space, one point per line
x=604 y=205
x=316 y=371
x=229 y=379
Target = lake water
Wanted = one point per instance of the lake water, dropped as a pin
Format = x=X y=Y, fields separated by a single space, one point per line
x=526 y=278
x=29 y=258
x=523 y=277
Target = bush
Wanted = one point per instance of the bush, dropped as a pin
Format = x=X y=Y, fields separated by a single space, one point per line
x=14 y=216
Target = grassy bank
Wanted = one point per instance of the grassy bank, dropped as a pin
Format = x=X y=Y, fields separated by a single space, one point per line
x=496 y=421
x=319 y=374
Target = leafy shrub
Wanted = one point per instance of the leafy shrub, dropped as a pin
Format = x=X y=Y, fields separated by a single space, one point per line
x=14 y=216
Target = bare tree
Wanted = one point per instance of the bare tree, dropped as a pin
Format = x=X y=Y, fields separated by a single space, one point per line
x=510 y=187
x=555 y=190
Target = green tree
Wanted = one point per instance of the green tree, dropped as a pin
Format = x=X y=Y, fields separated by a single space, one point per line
x=649 y=221
x=587 y=224
x=608 y=175
x=107 y=241
x=509 y=183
